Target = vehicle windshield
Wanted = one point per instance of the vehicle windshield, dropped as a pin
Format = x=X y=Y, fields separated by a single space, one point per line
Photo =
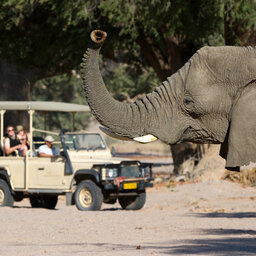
x=84 y=141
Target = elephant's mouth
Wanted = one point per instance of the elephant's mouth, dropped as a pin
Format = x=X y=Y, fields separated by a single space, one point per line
x=187 y=133
x=191 y=134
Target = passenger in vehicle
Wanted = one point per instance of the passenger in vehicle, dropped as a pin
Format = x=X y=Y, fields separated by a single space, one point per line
x=23 y=137
x=24 y=147
x=11 y=143
x=47 y=150
x=21 y=133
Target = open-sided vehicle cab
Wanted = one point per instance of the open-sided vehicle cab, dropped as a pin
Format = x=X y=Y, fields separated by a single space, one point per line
x=84 y=170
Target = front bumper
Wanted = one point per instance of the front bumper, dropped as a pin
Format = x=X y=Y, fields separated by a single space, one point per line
x=140 y=186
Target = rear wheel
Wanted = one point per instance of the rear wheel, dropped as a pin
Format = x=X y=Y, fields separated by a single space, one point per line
x=18 y=197
x=88 y=196
x=133 y=202
x=48 y=202
x=6 y=198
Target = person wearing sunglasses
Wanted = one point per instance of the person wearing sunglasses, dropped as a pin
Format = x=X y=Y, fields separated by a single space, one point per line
x=11 y=144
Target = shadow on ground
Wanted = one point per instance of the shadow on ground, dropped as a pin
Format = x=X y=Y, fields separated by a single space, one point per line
x=112 y=209
x=34 y=208
x=220 y=242
x=229 y=232
x=228 y=241
x=209 y=246
x=236 y=215
x=220 y=246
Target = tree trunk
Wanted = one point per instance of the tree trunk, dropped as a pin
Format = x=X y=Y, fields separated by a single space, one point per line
x=15 y=85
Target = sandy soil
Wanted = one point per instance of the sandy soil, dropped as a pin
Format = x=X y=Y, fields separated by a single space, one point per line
x=206 y=218
x=211 y=217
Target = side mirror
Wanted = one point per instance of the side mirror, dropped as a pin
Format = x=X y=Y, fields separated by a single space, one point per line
x=113 y=151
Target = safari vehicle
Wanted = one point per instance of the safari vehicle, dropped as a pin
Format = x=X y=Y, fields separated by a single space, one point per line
x=85 y=171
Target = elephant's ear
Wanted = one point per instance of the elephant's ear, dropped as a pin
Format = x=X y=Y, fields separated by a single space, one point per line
x=239 y=148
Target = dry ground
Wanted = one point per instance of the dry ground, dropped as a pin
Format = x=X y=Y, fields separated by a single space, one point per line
x=206 y=218
x=210 y=217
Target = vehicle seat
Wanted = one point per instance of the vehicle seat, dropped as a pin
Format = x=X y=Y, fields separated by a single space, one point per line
x=37 y=142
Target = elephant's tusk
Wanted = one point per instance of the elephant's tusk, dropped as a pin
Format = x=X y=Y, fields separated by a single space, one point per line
x=143 y=139
x=109 y=133
x=146 y=139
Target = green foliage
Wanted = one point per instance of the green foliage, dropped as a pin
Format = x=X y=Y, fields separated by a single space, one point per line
x=239 y=22
x=49 y=38
x=195 y=23
x=45 y=35
x=186 y=20
x=126 y=81
x=241 y=11
x=65 y=88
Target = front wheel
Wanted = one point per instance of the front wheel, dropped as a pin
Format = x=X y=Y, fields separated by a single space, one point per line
x=48 y=202
x=133 y=202
x=6 y=198
x=88 y=196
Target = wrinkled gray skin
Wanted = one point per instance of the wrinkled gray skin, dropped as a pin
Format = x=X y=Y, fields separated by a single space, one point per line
x=211 y=99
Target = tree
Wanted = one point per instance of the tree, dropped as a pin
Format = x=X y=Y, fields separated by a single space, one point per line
x=239 y=22
x=43 y=38
x=65 y=88
x=39 y=39
x=169 y=32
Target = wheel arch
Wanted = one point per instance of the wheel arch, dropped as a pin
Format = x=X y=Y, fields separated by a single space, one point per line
x=4 y=176
x=87 y=174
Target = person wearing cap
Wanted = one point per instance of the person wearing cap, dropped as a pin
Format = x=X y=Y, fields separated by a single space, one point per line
x=23 y=137
x=47 y=150
x=20 y=131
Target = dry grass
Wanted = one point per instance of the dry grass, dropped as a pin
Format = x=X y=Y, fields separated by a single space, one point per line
x=246 y=177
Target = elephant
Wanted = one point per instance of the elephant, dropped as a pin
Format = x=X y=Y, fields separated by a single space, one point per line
x=211 y=99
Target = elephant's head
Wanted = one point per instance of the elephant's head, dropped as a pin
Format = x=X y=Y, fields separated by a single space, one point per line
x=209 y=100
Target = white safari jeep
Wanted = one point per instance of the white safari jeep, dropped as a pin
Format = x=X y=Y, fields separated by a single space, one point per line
x=84 y=171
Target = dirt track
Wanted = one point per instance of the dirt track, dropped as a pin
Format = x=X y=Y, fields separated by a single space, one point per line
x=210 y=218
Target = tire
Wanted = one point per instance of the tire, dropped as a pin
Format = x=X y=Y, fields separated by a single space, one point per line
x=6 y=198
x=18 y=197
x=48 y=202
x=36 y=202
x=133 y=202
x=88 y=196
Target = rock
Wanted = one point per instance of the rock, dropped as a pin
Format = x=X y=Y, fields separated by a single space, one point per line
x=188 y=168
x=158 y=180
x=181 y=178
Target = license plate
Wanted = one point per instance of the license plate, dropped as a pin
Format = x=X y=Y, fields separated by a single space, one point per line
x=130 y=185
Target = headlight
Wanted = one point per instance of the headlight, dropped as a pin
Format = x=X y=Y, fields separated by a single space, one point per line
x=103 y=173
x=111 y=173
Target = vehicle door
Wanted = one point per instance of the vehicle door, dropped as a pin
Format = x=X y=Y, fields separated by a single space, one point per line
x=47 y=173
x=16 y=170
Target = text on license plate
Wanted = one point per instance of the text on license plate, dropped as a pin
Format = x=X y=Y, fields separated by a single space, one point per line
x=130 y=185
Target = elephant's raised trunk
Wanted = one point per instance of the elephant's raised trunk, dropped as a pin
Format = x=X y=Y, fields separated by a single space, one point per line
x=121 y=118
x=98 y=37
x=150 y=115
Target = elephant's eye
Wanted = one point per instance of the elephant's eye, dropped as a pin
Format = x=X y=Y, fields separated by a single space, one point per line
x=188 y=101
x=191 y=108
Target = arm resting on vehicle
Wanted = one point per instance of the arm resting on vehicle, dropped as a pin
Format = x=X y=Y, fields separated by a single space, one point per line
x=8 y=149
x=46 y=155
